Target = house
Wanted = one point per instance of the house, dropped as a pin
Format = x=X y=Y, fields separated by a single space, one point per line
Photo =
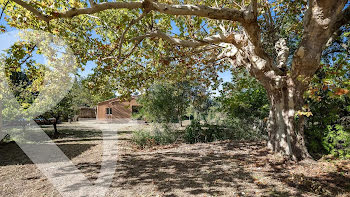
x=116 y=109
x=87 y=112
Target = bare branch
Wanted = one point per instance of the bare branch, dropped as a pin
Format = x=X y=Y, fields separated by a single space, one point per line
x=334 y=37
x=262 y=60
x=75 y=12
x=254 y=7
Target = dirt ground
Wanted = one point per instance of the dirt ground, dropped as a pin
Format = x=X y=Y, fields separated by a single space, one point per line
x=225 y=168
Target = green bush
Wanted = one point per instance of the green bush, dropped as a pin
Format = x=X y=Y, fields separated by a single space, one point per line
x=249 y=129
x=152 y=138
x=196 y=132
x=337 y=141
x=142 y=138
x=233 y=129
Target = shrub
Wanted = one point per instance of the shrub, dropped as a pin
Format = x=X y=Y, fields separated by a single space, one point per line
x=142 y=138
x=232 y=130
x=165 y=102
x=252 y=129
x=337 y=141
x=193 y=133
x=152 y=138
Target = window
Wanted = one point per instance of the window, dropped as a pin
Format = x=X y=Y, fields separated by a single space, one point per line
x=108 y=111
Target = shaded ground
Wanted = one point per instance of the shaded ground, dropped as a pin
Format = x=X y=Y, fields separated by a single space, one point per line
x=215 y=169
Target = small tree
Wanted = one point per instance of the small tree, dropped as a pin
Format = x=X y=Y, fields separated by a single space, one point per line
x=245 y=104
x=63 y=110
x=165 y=102
x=200 y=101
x=244 y=98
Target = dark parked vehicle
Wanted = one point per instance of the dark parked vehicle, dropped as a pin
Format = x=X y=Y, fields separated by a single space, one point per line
x=43 y=121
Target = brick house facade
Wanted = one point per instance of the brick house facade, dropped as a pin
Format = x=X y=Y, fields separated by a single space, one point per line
x=116 y=109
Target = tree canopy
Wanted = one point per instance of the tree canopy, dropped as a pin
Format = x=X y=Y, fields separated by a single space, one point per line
x=280 y=43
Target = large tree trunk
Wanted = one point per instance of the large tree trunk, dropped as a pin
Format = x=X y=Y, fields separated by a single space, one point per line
x=286 y=131
x=1 y=122
x=0 y=116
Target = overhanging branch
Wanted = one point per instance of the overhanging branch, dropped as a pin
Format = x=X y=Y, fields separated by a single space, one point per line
x=216 y=39
x=95 y=8
x=343 y=19
x=147 y=5
x=33 y=10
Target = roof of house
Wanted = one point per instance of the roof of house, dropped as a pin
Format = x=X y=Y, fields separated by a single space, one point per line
x=116 y=100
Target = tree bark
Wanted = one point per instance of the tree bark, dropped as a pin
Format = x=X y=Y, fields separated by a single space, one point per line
x=0 y=116
x=56 y=133
x=1 y=122
x=54 y=123
x=180 y=120
x=285 y=130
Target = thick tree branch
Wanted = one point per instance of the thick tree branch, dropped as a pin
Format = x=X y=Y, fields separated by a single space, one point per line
x=147 y=5
x=321 y=20
x=33 y=10
x=216 y=39
x=343 y=19
x=253 y=29
x=95 y=8
x=247 y=17
x=260 y=59
x=199 y=10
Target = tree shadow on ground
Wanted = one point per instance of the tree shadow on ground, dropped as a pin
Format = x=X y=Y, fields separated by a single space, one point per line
x=74 y=133
x=230 y=168
x=12 y=154
x=68 y=136
x=213 y=173
x=332 y=183
x=193 y=173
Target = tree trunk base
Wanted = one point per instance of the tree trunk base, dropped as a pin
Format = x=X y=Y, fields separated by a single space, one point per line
x=286 y=131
